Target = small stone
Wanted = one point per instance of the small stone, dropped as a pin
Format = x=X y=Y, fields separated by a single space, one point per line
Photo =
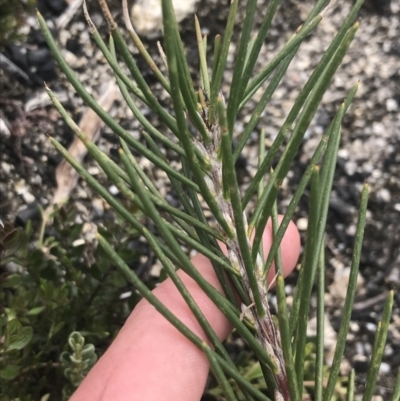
x=22 y=190
x=37 y=180
x=351 y=230
x=371 y=327
x=125 y=295
x=81 y=193
x=384 y=369
x=98 y=207
x=302 y=224
x=350 y=167
x=338 y=289
x=4 y=128
x=28 y=197
x=94 y=170
x=384 y=195
x=155 y=270
x=343 y=153
x=78 y=242
x=147 y=15
x=391 y=105
x=6 y=167
x=113 y=190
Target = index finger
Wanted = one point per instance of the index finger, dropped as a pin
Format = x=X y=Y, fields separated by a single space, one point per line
x=151 y=360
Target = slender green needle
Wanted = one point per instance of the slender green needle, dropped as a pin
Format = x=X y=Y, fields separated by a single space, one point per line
x=230 y=176
x=261 y=77
x=102 y=114
x=304 y=30
x=285 y=339
x=261 y=105
x=230 y=369
x=160 y=202
x=202 y=56
x=186 y=83
x=283 y=319
x=223 y=304
x=351 y=290
x=166 y=233
x=113 y=63
x=396 y=390
x=303 y=184
x=217 y=52
x=261 y=156
x=254 y=53
x=219 y=374
x=115 y=172
x=379 y=346
x=308 y=274
x=147 y=294
x=319 y=202
x=188 y=95
x=169 y=24
x=324 y=178
x=223 y=54
x=263 y=208
x=206 y=242
x=139 y=115
x=234 y=95
x=350 y=386
x=320 y=344
x=135 y=165
x=142 y=49
x=149 y=95
x=315 y=76
x=176 y=185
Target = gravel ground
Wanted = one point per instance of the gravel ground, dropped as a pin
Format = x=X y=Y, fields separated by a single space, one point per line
x=369 y=150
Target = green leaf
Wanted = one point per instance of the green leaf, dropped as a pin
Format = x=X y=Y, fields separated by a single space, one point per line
x=76 y=341
x=12 y=241
x=118 y=280
x=36 y=311
x=10 y=372
x=21 y=339
x=12 y=281
x=13 y=327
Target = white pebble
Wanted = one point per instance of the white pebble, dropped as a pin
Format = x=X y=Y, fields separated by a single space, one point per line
x=391 y=105
x=302 y=224
x=113 y=190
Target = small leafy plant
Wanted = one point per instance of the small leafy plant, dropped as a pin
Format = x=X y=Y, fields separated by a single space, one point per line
x=76 y=364
x=202 y=123
x=52 y=289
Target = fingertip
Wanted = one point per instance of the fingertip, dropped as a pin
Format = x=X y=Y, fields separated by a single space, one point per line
x=290 y=248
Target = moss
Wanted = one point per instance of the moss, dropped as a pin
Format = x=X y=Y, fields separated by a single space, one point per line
x=12 y=16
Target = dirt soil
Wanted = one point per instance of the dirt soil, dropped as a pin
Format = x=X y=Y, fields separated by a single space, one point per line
x=369 y=150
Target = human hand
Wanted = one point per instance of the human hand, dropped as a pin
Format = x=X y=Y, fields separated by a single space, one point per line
x=150 y=360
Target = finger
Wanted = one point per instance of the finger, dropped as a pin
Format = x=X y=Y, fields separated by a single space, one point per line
x=150 y=360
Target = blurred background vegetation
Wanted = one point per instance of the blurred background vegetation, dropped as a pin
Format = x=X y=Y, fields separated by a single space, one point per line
x=12 y=16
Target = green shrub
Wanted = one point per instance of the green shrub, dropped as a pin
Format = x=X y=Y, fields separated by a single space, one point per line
x=48 y=291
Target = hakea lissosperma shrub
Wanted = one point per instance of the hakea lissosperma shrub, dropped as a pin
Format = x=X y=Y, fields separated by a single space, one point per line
x=203 y=128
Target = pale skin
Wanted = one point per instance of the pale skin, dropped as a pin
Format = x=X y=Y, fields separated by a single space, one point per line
x=150 y=360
